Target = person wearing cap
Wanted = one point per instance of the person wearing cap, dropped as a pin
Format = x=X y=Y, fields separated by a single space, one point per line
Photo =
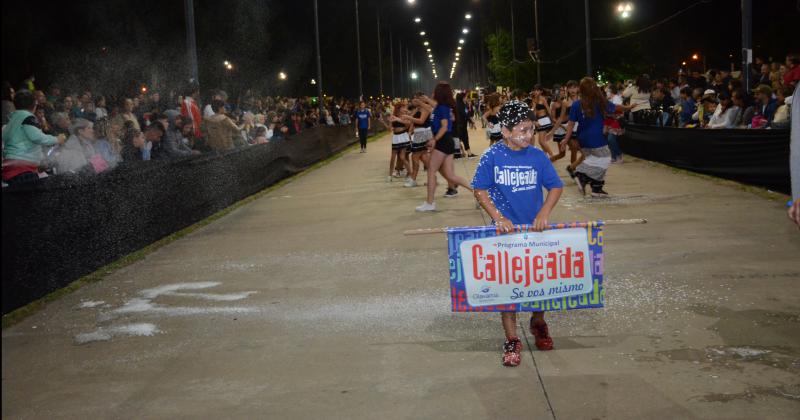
x=508 y=184
x=766 y=105
x=725 y=113
x=708 y=104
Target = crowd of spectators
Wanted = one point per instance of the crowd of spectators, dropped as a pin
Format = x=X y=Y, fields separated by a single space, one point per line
x=716 y=99
x=85 y=132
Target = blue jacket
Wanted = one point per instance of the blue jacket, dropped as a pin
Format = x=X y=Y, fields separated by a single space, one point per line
x=768 y=110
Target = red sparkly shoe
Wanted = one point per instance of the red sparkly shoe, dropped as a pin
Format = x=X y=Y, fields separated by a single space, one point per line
x=511 y=352
x=542 y=335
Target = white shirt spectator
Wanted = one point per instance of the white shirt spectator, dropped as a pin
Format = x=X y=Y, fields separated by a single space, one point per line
x=208 y=111
x=725 y=119
x=640 y=100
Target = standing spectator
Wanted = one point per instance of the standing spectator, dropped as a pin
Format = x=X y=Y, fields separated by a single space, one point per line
x=220 y=130
x=363 y=124
x=191 y=111
x=639 y=94
x=23 y=140
x=153 y=135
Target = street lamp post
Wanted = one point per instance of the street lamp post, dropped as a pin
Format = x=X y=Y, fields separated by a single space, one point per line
x=191 y=40
x=588 y=39
x=358 y=54
x=320 y=101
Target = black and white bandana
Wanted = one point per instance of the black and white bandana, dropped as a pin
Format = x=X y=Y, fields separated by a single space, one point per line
x=513 y=113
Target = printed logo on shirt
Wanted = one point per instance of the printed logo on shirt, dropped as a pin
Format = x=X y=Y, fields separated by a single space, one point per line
x=518 y=177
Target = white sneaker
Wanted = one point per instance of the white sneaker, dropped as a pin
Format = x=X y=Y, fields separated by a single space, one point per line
x=427 y=207
x=410 y=183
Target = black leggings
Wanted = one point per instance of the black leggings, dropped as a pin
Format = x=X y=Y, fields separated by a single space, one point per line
x=362 y=137
x=465 y=139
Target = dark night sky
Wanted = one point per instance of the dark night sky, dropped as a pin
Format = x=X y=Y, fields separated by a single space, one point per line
x=145 y=40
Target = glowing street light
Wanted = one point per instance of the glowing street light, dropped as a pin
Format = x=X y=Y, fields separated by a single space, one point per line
x=282 y=76
x=414 y=75
x=459 y=47
x=429 y=50
x=417 y=20
x=313 y=82
x=468 y=16
x=229 y=66
x=411 y=1
x=683 y=63
x=460 y=41
x=625 y=9
x=425 y=43
x=422 y=33
x=695 y=57
x=226 y=63
x=465 y=31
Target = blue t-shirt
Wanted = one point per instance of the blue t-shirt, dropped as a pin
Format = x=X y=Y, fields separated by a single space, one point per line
x=363 y=118
x=590 y=130
x=514 y=180
x=442 y=112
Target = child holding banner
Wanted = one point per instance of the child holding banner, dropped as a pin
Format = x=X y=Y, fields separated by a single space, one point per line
x=508 y=184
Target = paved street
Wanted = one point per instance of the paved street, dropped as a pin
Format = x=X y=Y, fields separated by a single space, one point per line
x=310 y=303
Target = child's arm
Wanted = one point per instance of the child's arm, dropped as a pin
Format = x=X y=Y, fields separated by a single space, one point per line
x=503 y=225
x=541 y=221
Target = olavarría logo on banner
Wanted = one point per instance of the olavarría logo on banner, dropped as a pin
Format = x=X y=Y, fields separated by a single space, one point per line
x=526 y=267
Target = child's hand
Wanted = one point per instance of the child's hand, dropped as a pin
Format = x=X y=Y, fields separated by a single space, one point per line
x=540 y=223
x=504 y=225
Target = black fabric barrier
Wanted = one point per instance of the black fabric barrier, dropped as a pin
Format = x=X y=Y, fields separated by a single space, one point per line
x=65 y=228
x=756 y=157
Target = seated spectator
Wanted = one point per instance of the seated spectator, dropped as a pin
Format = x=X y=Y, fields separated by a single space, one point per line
x=662 y=103
x=708 y=105
x=219 y=130
x=77 y=154
x=61 y=123
x=153 y=136
x=781 y=120
x=765 y=107
x=328 y=118
x=260 y=135
x=100 y=110
x=172 y=143
x=8 y=101
x=248 y=127
x=23 y=140
x=294 y=124
x=126 y=113
x=107 y=148
x=209 y=109
x=725 y=113
x=41 y=118
x=133 y=143
x=688 y=107
x=792 y=74
x=746 y=111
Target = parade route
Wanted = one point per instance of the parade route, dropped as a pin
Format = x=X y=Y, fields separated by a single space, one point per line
x=310 y=303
